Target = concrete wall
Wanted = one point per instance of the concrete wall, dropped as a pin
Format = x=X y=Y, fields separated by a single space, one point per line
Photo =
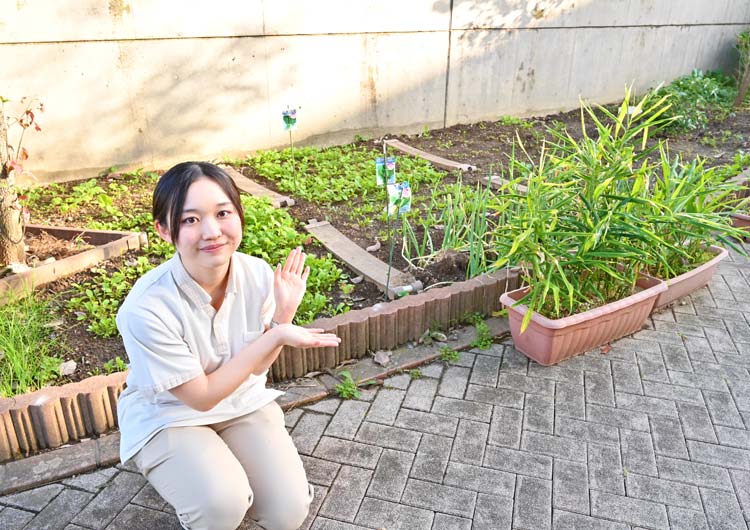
x=149 y=82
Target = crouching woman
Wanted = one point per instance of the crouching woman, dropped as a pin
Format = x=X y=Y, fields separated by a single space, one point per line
x=201 y=331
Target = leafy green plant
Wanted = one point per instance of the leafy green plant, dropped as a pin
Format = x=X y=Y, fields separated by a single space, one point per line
x=449 y=355
x=28 y=346
x=414 y=374
x=483 y=340
x=115 y=365
x=514 y=121
x=693 y=96
x=743 y=68
x=347 y=388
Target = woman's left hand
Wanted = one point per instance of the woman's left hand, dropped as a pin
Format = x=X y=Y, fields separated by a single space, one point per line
x=289 y=284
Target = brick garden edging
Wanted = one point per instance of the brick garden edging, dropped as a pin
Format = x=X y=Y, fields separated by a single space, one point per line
x=108 y=244
x=55 y=416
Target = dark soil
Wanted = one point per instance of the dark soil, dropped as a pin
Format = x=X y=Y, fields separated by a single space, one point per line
x=487 y=145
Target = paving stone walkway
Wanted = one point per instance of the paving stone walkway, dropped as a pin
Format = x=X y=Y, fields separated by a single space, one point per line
x=654 y=433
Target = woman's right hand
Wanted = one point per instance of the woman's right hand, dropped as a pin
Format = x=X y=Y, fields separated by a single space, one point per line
x=299 y=337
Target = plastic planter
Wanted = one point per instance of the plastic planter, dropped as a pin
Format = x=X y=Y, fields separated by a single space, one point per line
x=684 y=284
x=549 y=341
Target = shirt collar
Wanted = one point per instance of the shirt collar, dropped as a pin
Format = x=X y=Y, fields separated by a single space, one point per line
x=191 y=288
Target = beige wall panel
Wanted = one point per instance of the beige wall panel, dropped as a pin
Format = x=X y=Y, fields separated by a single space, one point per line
x=80 y=20
x=113 y=104
x=361 y=16
x=356 y=83
x=597 y=73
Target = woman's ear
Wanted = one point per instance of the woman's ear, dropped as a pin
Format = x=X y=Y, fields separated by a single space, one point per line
x=163 y=232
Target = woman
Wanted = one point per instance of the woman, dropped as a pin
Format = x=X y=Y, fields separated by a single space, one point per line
x=201 y=331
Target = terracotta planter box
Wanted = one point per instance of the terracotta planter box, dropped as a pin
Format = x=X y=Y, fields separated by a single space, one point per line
x=549 y=341
x=741 y=220
x=684 y=284
x=108 y=244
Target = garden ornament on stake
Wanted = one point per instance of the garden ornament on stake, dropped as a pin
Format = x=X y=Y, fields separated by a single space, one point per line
x=290 y=123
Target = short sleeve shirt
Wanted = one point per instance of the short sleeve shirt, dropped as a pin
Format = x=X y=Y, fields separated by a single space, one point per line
x=173 y=334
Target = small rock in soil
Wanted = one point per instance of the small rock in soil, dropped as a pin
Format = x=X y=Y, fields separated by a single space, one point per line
x=382 y=357
x=357 y=279
x=373 y=248
x=68 y=367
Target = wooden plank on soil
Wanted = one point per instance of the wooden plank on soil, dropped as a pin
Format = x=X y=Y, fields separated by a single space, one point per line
x=497 y=182
x=435 y=160
x=360 y=260
x=256 y=190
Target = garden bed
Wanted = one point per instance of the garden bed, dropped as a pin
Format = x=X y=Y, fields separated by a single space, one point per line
x=486 y=145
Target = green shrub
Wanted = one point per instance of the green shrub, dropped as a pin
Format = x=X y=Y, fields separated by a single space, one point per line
x=693 y=96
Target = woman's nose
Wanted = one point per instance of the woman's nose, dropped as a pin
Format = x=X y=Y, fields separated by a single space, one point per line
x=211 y=229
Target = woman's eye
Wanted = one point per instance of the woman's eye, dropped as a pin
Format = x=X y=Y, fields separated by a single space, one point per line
x=189 y=220
x=224 y=213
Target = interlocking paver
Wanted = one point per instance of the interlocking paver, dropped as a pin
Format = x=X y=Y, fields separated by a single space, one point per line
x=427 y=422
x=454 y=382
x=673 y=392
x=554 y=446
x=533 y=504
x=321 y=523
x=505 y=428
x=560 y=373
x=605 y=469
x=627 y=510
x=450 y=522
x=522 y=383
x=722 y=510
x=470 y=442
x=570 y=486
x=385 y=406
x=733 y=437
x=470 y=410
x=346 y=494
x=91 y=482
x=376 y=513
x=432 y=458
x=539 y=413
x=390 y=476
x=627 y=419
x=719 y=455
x=481 y=479
x=722 y=409
x=420 y=394
x=514 y=362
x=520 y=462
x=599 y=389
x=34 y=501
x=13 y=519
x=439 y=498
x=347 y=419
x=627 y=377
x=683 y=519
x=586 y=431
x=649 y=405
x=493 y=513
x=693 y=473
x=676 y=358
x=385 y=436
x=346 y=452
x=148 y=497
x=485 y=370
x=696 y=423
x=573 y=521
x=495 y=396
x=741 y=480
x=306 y=434
x=569 y=400
x=320 y=471
x=637 y=452
x=668 y=437
x=134 y=517
x=103 y=508
x=434 y=370
x=663 y=491
x=61 y=510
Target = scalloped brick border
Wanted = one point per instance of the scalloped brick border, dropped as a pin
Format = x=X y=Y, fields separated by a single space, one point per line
x=55 y=416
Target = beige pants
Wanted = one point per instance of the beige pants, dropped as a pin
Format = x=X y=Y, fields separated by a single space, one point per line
x=213 y=474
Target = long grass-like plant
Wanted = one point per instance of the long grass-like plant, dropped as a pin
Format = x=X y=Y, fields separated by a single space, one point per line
x=577 y=234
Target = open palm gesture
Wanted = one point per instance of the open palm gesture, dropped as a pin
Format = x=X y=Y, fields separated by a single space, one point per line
x=289 y=284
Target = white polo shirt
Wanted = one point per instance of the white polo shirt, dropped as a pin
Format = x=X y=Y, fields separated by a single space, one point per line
x=173 y=334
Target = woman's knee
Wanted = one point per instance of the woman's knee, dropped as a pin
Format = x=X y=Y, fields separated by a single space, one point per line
x=290 y=515
x=218 y=508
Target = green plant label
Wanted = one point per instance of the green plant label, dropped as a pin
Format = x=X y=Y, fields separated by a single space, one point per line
x=290 y=119
x=399 y=198
x=385 y=171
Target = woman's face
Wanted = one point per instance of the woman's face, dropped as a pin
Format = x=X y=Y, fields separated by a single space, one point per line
x=210 y=228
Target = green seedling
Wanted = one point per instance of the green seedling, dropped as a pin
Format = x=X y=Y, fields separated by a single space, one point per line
x=416 y=373
x=449 y=355
x=347 y=388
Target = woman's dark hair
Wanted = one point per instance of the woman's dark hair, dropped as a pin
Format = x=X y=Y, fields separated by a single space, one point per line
x=172 y=188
